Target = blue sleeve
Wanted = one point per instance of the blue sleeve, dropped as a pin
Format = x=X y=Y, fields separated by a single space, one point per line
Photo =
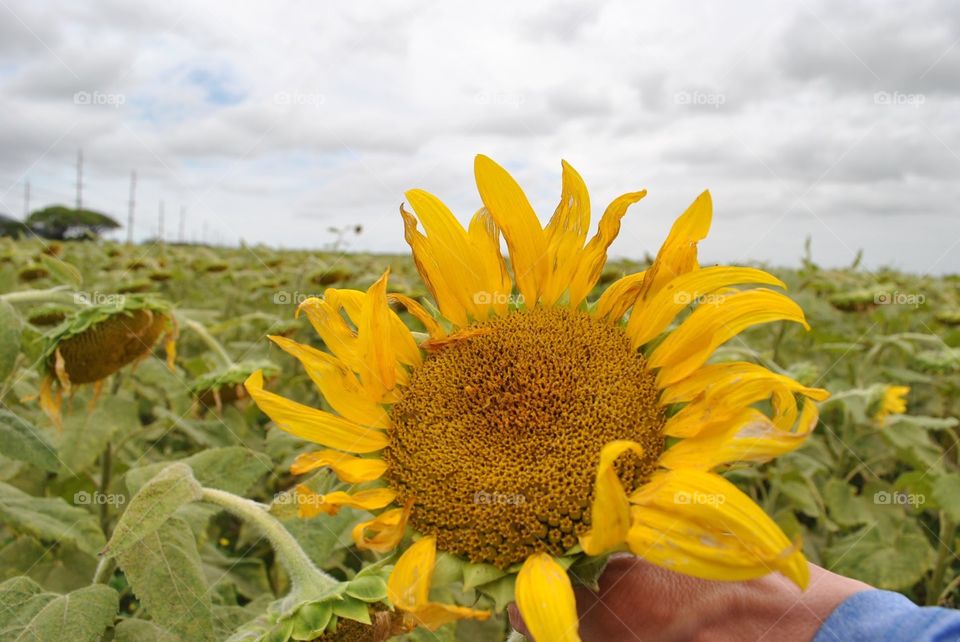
x=884 y=616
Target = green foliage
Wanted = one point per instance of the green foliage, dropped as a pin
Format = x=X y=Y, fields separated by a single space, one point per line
x=877 y=500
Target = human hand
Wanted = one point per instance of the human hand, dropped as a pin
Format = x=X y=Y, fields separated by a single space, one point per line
x=640 y=601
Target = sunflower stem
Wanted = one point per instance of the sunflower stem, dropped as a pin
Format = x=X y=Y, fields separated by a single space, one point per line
x=58 y=294
x=944 y=557
x=208 y=339
x=305 y=578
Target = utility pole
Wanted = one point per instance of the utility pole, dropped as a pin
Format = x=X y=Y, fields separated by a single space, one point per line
x=131 y=206
x=183 y=223
x=80 y=179
x=26 y=199
x=160 y=224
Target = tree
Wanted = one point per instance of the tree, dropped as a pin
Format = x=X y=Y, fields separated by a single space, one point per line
x=10 y=226
x=60 y=223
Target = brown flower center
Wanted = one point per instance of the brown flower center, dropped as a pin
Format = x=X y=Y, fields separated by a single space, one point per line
x=498 y=436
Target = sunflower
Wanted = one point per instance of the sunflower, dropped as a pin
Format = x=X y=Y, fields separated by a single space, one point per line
x=527 y=428
x=893 y=402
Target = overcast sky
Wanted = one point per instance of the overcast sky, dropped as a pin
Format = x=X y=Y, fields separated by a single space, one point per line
x=272 y=121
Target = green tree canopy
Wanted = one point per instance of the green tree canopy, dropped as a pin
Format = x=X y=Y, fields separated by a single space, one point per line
x=59 y=223
x=10 y=226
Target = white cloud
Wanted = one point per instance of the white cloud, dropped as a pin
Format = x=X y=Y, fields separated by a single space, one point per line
x=271 y=122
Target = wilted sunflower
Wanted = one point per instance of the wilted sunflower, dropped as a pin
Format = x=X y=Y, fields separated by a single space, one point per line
x=530 y=430
x=98 y=341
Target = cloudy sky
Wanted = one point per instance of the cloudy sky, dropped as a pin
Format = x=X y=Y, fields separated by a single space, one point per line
x=271 y=122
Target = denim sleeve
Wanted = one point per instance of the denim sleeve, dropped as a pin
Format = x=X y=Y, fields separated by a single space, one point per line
x=884 y=616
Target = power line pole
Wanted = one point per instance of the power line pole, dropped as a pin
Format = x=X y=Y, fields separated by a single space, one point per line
x=132 y=206
x=26 y=200
x=183 y=222
x=80 y=179
x=160 y=224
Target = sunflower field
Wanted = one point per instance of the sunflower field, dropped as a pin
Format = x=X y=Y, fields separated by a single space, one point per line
x=145 y=495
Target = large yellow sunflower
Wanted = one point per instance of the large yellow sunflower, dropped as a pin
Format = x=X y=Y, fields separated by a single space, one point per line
x=527 y=426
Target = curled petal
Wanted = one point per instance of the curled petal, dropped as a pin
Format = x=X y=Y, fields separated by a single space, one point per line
x=353 y=470
x=611 y=511
x=311 y=504
x=546 y=601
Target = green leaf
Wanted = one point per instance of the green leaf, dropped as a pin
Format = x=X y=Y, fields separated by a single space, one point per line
x=61 y=270
x=846 y=508
x=476 y=574
x=369 y=588
x=10 y=327
x=18 y=590
x=500 y=591
x=60 y=568
x=311 y=620
x=50 y=519
x=86 y=434
x=164 y=572
x=232 y=469
x=892 y=554
x=21 y=440
x=156 y=502
x=131 y=630
x=82 y=615
x=946 y=492
x=352 y=609
x=913 y=444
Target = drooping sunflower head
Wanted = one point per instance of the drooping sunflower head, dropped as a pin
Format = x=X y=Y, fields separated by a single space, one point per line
x=526 y=427
x=96 y=342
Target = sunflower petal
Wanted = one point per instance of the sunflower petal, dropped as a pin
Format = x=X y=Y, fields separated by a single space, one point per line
x=408 y=588
x=387 y=528
x=432 y=272
x=511 y=210
x=312 y=424
x=497 y=286
x=611 y=511
x=311 y=504
x=546 y=601
x=337 y=336
x=691 y=344
x=352 y=302
x=752 y=436
x=594 y=255
x=419 y=313
x=647 y=321
x=619 y=296
x=700 y=524
x=375 y=342
x=678 y=254
x=353 y=470
x=566 y=233
x=337 y=384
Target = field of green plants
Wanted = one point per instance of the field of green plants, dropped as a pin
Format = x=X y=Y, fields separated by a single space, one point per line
x=98 y=530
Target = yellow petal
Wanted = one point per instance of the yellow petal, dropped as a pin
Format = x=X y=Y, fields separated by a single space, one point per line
x=375 y=343
x=566 y=233
x=715 y=377
x=497 y=285
x=546 y=601
x=312 y=424
x=311 y=504
x=387 y=530
x=619 y=297
x=337 y=384
x=408 y=586
x=337 y=336
x=353 y=470
x=352 y=302
x=432 y=272
x=699 y=524
x=751 y=436
x=594 y=256
x=419 y=313
x=511 y=210
x=433 y=615
x=647 y=321
x=691 y=344
x=678 y=254
x=611 y=511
